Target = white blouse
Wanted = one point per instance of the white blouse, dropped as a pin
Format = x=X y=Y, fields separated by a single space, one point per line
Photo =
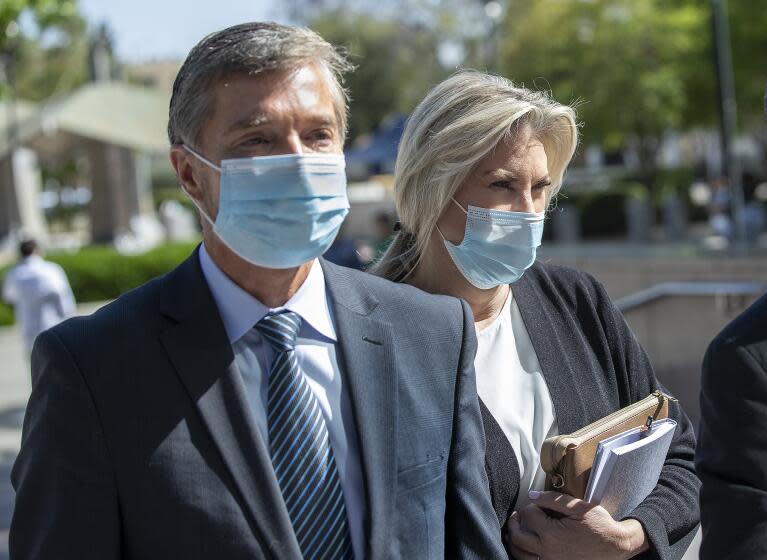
x=512 y=386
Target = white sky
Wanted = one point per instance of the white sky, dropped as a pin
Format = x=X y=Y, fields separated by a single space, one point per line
x=168 y=29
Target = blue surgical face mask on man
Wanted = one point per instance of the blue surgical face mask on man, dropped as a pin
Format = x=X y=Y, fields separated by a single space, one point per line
x=279 y=211
x=497 y=247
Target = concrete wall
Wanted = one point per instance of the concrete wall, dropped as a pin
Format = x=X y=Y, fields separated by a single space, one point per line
x=675 y=331
x=120 y=189
x=29 y=179
x=10 y=218
x=20 y=184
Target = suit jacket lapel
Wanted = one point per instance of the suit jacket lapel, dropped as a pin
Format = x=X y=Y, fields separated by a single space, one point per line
x=202 y=356
x=366 y=354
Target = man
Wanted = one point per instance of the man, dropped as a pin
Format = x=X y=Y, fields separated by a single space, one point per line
x=39 y=292
x=257 y=402
x=732 y=446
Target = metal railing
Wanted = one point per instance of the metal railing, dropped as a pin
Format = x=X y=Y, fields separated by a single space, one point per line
x=669 y=289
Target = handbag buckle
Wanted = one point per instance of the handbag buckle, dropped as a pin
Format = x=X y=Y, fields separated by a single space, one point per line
x=557 y=481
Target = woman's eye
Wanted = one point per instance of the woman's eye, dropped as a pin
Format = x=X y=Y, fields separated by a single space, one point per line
x=501 y=184
x=541 y=186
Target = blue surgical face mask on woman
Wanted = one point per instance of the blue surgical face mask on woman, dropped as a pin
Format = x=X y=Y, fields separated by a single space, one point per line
x=279 y=211
x=497 y=247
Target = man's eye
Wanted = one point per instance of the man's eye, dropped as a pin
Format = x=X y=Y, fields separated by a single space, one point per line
x=255 y=141
x=321 y=135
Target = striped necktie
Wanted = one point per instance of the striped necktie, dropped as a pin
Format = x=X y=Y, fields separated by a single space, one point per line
x=300 y=448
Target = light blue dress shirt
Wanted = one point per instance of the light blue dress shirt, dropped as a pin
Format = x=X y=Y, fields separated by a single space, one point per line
x=317 y=358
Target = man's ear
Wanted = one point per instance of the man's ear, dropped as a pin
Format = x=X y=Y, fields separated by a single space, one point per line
x=187 y=173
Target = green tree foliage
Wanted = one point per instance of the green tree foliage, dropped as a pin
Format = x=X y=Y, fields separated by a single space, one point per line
x=396 y=47
x=748 y=35
x=396 y=64
x=47 y=57
x=45 y=71
x=748 y=39
x=44 y=12
x=636 y=68
x=624 y=60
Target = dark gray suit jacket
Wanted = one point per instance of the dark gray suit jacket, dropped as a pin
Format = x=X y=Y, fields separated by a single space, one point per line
x=732 y=446
x=138 y=441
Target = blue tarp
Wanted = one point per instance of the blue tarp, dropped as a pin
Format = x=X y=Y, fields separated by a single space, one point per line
x=382 y=147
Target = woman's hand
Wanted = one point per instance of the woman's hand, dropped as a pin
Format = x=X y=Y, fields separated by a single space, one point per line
x=586 y=531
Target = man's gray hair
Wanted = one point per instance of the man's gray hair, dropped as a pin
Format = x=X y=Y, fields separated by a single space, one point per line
x=248 y=48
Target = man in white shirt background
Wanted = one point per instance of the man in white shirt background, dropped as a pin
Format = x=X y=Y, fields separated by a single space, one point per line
x=39 y=292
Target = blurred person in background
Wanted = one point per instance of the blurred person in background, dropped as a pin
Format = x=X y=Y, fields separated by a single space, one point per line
x=258 y=401
x=478 y=164
x=753 y=209
x=384 y=233
x=719 y=218
x=732 y=450
x=344 y=251
x=39 y=292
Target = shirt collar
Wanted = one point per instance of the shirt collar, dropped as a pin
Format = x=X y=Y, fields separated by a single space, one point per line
x=240 y=311
x=32 y=259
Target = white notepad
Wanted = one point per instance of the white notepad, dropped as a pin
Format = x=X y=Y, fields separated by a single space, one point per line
x=627 y=467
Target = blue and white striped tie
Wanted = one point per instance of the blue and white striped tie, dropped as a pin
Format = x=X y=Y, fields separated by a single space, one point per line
x=301 y=452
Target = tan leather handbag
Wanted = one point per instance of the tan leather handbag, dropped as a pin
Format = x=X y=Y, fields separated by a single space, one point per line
x=567 y=459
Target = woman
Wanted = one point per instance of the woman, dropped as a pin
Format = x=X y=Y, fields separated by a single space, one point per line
x=479 y=162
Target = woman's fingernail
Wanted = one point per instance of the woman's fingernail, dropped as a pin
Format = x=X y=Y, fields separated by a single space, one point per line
x=533 y=494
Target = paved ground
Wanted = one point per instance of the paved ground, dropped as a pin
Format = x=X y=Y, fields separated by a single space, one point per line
x=14 y=392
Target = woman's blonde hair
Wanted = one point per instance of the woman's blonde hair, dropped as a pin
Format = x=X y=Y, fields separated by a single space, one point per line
x=457 y=125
